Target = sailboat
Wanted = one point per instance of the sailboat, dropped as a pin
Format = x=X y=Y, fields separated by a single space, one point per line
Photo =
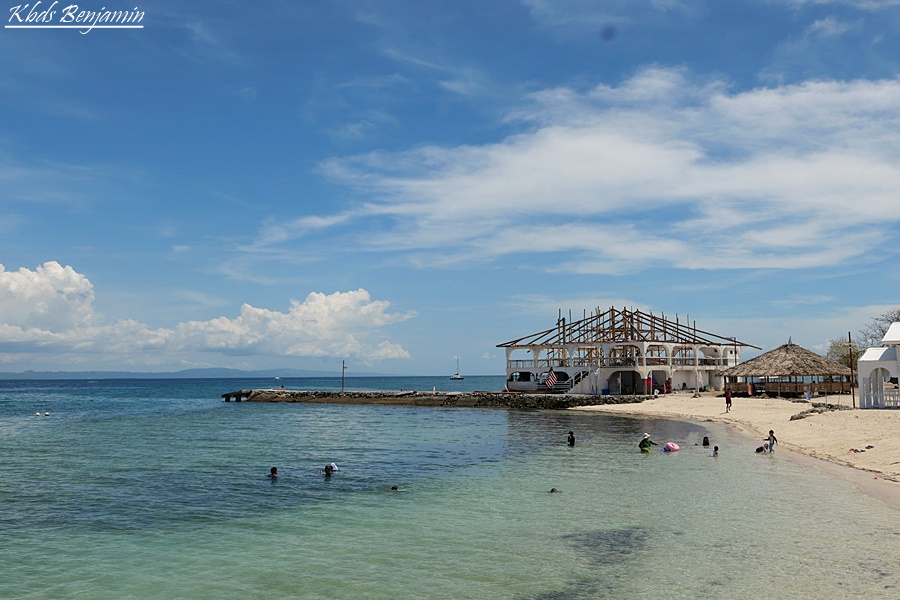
x=457 y=375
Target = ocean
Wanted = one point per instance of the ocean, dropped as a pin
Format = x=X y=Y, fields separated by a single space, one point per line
x=158 y=489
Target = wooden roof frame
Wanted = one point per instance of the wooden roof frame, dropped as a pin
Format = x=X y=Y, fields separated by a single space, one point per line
x=623 y=326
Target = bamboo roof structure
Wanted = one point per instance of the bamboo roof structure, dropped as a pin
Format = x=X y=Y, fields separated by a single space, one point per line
x=622 y=326
x=789 y=360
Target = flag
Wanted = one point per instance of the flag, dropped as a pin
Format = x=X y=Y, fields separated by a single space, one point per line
x=550 y=381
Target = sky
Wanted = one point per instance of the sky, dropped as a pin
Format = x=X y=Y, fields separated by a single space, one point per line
x=395 y=184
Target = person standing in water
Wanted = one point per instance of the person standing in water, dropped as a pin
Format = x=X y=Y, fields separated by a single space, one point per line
x=645 y=443
x=772 y=441
x=273 y=473
x=571 y=438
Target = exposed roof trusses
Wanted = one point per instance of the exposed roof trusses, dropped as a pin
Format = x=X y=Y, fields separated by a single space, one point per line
x=622 y=326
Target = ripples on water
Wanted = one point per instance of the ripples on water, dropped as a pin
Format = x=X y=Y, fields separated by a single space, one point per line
x=158 y=489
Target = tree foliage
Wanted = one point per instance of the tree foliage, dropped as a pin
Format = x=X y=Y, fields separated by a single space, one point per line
x=871 y=335
x=839 y=352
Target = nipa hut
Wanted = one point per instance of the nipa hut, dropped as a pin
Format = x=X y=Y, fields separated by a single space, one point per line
x=789 y=370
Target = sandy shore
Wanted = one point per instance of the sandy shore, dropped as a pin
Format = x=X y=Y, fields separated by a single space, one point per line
x=828 y=436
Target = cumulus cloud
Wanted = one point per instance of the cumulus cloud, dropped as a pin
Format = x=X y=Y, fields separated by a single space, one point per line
x=50 y=310
x=660 y=170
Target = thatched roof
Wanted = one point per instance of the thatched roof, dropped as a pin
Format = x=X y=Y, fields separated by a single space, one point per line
x=789 y=360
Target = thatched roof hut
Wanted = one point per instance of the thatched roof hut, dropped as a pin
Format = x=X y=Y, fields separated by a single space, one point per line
x=791 y=369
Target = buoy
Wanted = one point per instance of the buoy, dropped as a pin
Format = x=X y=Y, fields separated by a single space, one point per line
x=38 y=414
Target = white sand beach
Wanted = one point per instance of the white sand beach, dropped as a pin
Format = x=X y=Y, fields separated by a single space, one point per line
x=828 y=436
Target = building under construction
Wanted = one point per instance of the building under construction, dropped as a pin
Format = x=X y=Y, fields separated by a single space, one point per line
x=619 y=352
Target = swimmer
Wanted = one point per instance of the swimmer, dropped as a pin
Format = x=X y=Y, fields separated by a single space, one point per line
x=571 y=438
x=394 y=488
x=273 y=473
x=555 y=491
x=328 y=470
x=762 y=448
x=705 y=441
x=715 y=452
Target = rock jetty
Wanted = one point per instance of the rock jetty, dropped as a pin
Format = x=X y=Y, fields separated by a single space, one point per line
x=455 y=399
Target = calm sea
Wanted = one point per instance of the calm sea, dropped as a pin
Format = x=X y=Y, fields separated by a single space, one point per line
x=157 y=489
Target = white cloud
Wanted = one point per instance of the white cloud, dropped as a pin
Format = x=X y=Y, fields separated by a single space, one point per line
x=700 y=176
x=828 y=27
x=52 y=298
x=50 y=311
x=321 y=326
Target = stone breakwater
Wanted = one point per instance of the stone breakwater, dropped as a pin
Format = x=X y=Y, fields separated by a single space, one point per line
x=462 y=400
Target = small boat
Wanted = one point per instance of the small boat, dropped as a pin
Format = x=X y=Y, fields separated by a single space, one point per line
x=457 y=375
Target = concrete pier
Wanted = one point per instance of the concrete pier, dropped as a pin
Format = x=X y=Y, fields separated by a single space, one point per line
x=440 y=399
x=237 y=396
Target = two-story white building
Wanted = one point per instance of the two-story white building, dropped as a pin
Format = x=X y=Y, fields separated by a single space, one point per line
x=619 y=352
x=877 y=367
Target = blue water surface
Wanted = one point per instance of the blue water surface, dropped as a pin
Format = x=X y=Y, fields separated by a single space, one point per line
x=157 y=488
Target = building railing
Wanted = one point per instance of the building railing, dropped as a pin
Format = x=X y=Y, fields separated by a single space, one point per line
x=890 y=399
x=579 y=361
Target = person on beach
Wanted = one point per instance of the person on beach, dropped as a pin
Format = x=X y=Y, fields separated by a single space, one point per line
x=571 y=438
x=772 y=441
x=645 y=443
x=273 y=473
x=715 y=452
x=763 y=448
x=706 y=441
x=728 y=400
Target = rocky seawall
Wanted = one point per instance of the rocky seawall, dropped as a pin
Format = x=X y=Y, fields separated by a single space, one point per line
x=463 y=400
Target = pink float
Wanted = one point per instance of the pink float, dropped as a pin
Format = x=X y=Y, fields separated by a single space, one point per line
x=671 y=447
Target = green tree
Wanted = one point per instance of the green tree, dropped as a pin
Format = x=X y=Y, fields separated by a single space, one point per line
x=871 y=335
x=839 y=352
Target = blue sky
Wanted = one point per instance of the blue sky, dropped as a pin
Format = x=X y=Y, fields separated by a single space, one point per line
x=394 y=183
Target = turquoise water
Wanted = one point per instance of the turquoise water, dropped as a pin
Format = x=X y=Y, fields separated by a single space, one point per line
x=157 y=489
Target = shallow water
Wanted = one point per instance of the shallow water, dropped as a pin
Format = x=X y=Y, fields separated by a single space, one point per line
x=138 y=489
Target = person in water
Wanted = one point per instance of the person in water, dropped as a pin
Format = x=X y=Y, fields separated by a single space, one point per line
x=645 y=443
x=571 y=438
x=273 y=473
x=706 y=441
x=554 y=491
x=715 y=452
x=772 y=441
x=762 y=448
x=328 y=470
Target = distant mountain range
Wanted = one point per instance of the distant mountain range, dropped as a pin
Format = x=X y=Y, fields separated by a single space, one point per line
x=185 y=374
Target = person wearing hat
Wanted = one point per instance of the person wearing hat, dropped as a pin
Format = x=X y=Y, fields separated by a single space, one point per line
x=645 y=443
